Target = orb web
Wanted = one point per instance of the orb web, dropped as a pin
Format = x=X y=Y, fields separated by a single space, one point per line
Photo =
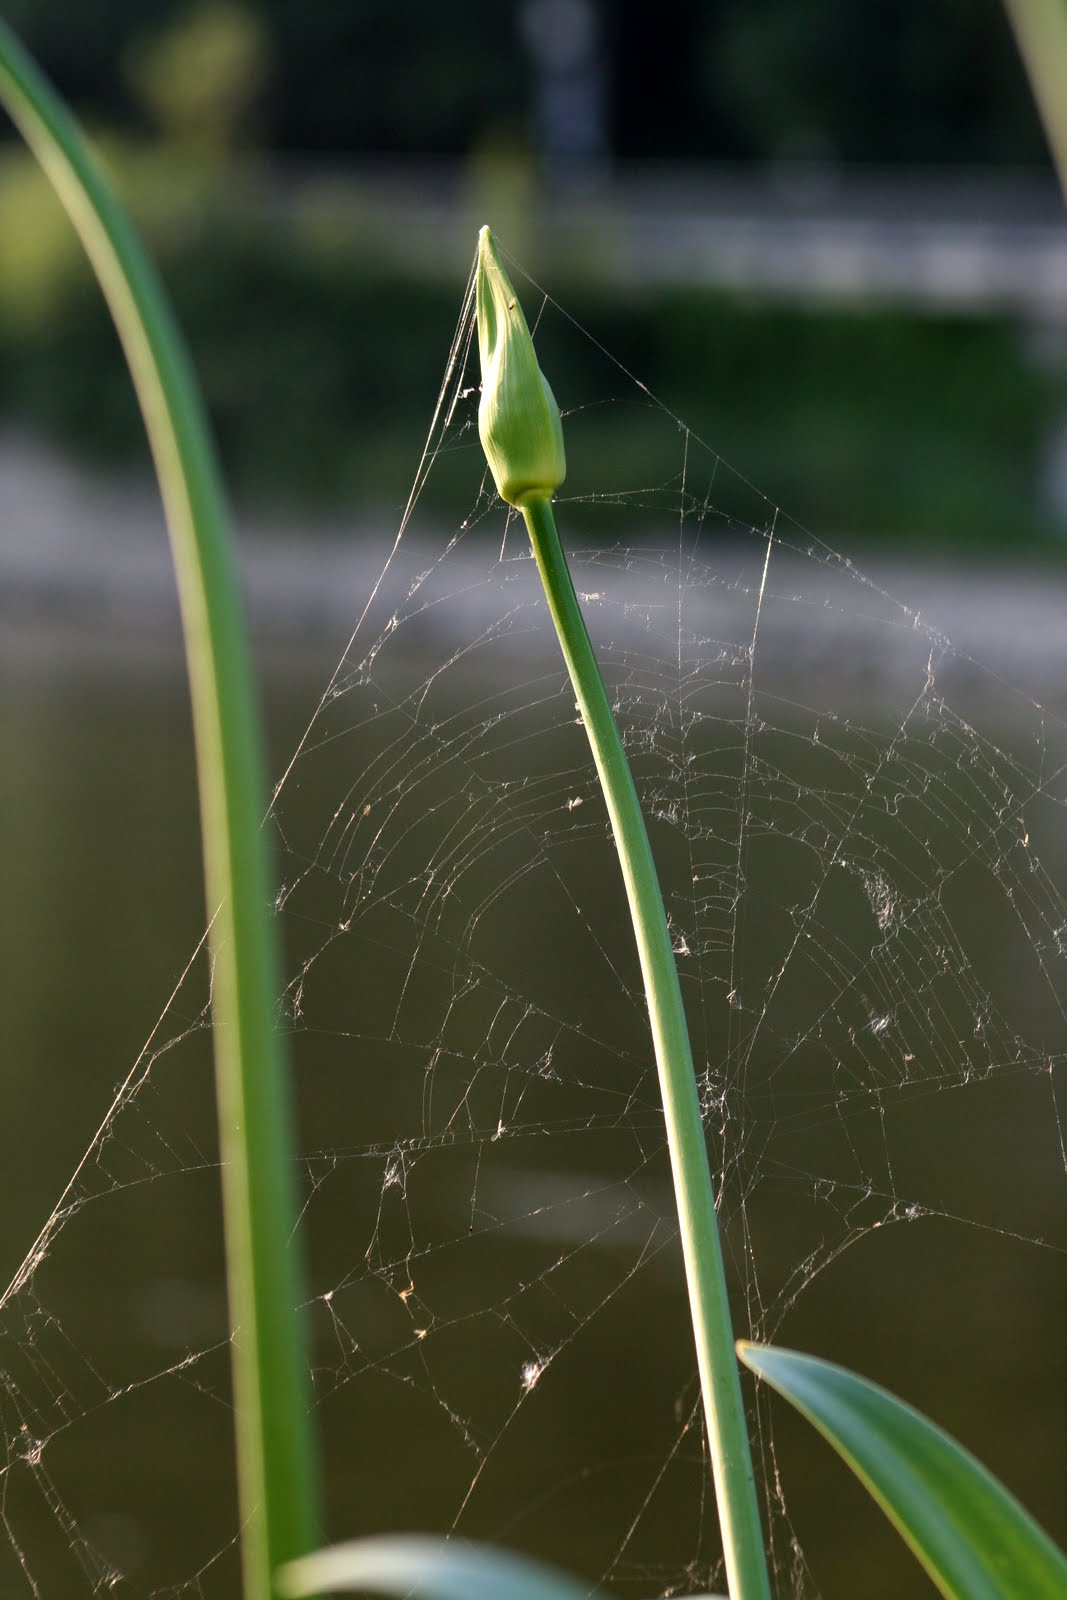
x=860 y=833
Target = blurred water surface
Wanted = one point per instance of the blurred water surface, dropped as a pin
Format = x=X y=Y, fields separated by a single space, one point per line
x=499 y=1325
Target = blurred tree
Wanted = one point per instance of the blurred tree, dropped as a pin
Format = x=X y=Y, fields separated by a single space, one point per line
x=889 y=81
x=370 y=77
x=202 y=77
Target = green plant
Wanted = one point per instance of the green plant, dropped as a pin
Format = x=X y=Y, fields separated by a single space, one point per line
x=974 y=1539
x=520 y=429
x=977 y=1543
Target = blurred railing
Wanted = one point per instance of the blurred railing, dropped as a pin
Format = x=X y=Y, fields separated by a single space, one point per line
x=957 y=239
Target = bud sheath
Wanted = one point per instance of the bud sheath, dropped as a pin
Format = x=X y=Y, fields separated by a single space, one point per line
x=518 y=418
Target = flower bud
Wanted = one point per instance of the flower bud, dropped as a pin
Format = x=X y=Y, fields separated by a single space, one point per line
x=518 y=418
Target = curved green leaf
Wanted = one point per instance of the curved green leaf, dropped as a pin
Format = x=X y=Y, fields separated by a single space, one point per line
x=276 y=1451
x=439 y=1569
x=974 y=1538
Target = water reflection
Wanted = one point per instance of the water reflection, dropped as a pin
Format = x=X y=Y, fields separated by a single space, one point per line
x=499 y=1323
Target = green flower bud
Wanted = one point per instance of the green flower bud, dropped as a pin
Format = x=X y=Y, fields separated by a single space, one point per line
x=518 y=418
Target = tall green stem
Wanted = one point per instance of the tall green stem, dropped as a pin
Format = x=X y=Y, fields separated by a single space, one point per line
x=276 y=1465
x=731 y=1459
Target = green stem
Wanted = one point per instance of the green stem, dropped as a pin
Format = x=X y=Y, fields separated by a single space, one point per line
x=731 y=1460
x=277 y=1480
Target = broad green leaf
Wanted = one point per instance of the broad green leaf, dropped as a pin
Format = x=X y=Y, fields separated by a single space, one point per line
x=974 y=1538
x=437 y=1569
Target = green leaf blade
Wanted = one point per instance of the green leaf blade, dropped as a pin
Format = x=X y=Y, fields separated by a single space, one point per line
x=432 y=1568
x=276 y=1445
x=973 y=1537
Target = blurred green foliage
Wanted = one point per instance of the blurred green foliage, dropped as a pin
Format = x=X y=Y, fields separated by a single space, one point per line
x=201 y=80
x=322 y=350
x=889 y=80
x=322 y=370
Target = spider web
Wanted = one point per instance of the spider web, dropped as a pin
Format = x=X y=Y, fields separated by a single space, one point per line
x=859 y=831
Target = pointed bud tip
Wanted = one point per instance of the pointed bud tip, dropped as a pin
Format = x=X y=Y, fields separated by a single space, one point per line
x=486 y=246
